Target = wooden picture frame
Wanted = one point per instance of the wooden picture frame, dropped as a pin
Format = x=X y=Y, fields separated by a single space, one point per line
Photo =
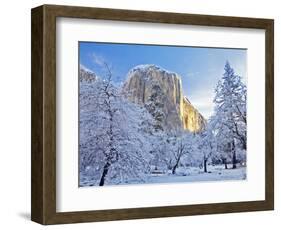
x=43 y=188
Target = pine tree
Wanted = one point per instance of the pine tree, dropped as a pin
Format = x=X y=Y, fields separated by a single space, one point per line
x=230 y=113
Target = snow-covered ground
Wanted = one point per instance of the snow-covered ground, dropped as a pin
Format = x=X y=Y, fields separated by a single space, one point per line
x=192 y=174
x=215 y=173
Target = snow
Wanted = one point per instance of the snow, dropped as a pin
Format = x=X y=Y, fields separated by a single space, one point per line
x=194 y=174
x=82 y=67
x=185 y=175
x=122 y=142
x=144 y=68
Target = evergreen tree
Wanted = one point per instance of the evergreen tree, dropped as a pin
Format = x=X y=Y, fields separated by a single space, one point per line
x=229 y=120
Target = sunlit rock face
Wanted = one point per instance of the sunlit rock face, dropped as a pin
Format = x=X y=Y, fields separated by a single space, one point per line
x=179 y=112
x=192 y=119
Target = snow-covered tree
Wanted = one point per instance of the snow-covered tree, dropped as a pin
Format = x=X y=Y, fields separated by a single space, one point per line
x=229 y=121
x=158 y=150
x=112 y=143
x=206 y=145
x=180 y=147
x=241 y=117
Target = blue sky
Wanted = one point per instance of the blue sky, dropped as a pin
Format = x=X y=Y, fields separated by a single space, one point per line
x=200 y=68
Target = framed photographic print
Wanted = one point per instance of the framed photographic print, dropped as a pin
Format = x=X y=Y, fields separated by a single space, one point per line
x=140 y=114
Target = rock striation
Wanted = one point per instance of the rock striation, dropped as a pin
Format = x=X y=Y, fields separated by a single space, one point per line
x=192 y=120
x=179 y=112
x=86 y=75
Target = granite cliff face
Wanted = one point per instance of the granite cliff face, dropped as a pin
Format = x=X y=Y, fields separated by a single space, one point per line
x=179 y=112
x=192 y=119
x=86 y=75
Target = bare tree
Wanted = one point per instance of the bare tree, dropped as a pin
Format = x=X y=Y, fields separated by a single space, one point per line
x=110 y=134
x=181 y=147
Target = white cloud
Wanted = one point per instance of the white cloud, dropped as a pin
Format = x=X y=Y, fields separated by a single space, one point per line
x=98 y=59
x=85 y=68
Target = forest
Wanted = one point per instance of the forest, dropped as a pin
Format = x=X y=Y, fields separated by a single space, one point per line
x=122 y=142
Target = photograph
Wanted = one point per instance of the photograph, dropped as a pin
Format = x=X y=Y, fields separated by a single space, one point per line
x=161 y=114
x=139 y=114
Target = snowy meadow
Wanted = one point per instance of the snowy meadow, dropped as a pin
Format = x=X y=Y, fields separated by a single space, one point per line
x=145 y=129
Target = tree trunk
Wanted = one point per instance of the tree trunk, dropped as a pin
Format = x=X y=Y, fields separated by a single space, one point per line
x=104 y=173
x=205 y=165
x=176 y=165
x=244 y=144
x=234 y=160
x=233 y=156
x=174 y=169
x=225 y=163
